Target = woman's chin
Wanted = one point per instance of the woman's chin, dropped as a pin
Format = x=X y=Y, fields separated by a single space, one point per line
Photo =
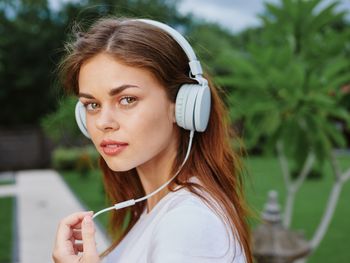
x=118 y=168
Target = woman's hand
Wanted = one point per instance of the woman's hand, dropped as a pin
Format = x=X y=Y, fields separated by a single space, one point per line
x=78 y=226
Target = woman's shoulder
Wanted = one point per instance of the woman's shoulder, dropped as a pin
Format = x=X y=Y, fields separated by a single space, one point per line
x=189 y=212
x=190 y=229
x=189 y=216
x=195 y=205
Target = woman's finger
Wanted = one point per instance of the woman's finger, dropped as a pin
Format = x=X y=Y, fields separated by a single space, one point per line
x=77 y=226
x=88 y=235
x=77 y=234
x=64 y=231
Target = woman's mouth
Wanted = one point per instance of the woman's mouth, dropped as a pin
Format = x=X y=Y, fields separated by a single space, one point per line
x=112 y=148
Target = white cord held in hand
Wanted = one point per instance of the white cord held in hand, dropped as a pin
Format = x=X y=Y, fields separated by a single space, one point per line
x=133 y=201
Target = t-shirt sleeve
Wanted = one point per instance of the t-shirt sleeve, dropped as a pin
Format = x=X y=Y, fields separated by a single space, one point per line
x=192 y=234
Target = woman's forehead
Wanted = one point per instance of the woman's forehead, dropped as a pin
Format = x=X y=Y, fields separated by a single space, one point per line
x=104 y=73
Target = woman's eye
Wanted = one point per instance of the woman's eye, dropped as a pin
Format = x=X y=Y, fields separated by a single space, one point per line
x=127 y=101
x=91 y=106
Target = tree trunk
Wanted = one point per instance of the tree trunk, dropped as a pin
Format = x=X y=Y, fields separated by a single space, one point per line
x=332 y=202
x=292 y=187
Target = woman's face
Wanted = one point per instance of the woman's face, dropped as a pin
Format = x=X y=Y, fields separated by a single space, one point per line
x=129 y=117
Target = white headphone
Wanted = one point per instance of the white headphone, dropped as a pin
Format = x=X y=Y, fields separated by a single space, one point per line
x=193 y=101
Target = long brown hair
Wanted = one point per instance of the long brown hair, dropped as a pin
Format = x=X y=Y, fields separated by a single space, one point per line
x=211 y=160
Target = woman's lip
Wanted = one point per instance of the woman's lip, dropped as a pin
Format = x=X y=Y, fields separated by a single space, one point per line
x=113 y=149
x=111 y=142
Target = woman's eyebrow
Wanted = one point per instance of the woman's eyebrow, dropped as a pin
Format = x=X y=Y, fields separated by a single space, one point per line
x=119 y=89
x=85 y=95
x=111 y=93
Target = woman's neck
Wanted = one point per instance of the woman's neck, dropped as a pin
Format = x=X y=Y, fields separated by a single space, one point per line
x=156 y=172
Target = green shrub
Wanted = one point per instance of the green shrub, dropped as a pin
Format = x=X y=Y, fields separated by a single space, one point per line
x=60 y=125
x=82 y=159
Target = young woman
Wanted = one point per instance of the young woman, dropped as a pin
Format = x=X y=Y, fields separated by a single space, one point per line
x=154 y=120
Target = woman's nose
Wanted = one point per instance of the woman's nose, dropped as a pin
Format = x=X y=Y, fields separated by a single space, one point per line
x=107 y=120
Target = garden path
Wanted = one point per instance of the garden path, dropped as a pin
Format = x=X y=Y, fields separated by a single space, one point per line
x=42 y=200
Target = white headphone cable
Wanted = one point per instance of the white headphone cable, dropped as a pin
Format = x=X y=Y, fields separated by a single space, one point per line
x=133 y=201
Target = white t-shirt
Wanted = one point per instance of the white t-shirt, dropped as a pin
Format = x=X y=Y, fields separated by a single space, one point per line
x=181 y=228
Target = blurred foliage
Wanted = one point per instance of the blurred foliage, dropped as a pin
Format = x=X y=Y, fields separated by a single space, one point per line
x=212 y=44
x=81 y=159
x=287 y=83
x=60 y=125
x=29 y=40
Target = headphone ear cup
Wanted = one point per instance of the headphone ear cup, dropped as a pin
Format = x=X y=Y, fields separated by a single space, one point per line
x=80 y=118
x=185 y=107
x=190 y=106
x=202 y=108
x=180 y=105
x=192 y=109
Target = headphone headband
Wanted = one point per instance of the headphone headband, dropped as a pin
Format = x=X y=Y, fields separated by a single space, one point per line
x=195 y=65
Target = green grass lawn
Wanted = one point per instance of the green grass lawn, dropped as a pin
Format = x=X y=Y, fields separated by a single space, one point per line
x=264 y=175
x=6 y=227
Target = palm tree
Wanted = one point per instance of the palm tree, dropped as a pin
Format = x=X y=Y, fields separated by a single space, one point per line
x=287 y=91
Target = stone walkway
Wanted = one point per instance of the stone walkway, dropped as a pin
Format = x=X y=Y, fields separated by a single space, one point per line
x=42 y=199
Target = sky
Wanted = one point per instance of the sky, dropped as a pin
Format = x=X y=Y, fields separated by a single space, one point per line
x=235 y=15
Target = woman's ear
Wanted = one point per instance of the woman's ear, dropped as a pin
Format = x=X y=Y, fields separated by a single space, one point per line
x=174 y=116
x=172 y=112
